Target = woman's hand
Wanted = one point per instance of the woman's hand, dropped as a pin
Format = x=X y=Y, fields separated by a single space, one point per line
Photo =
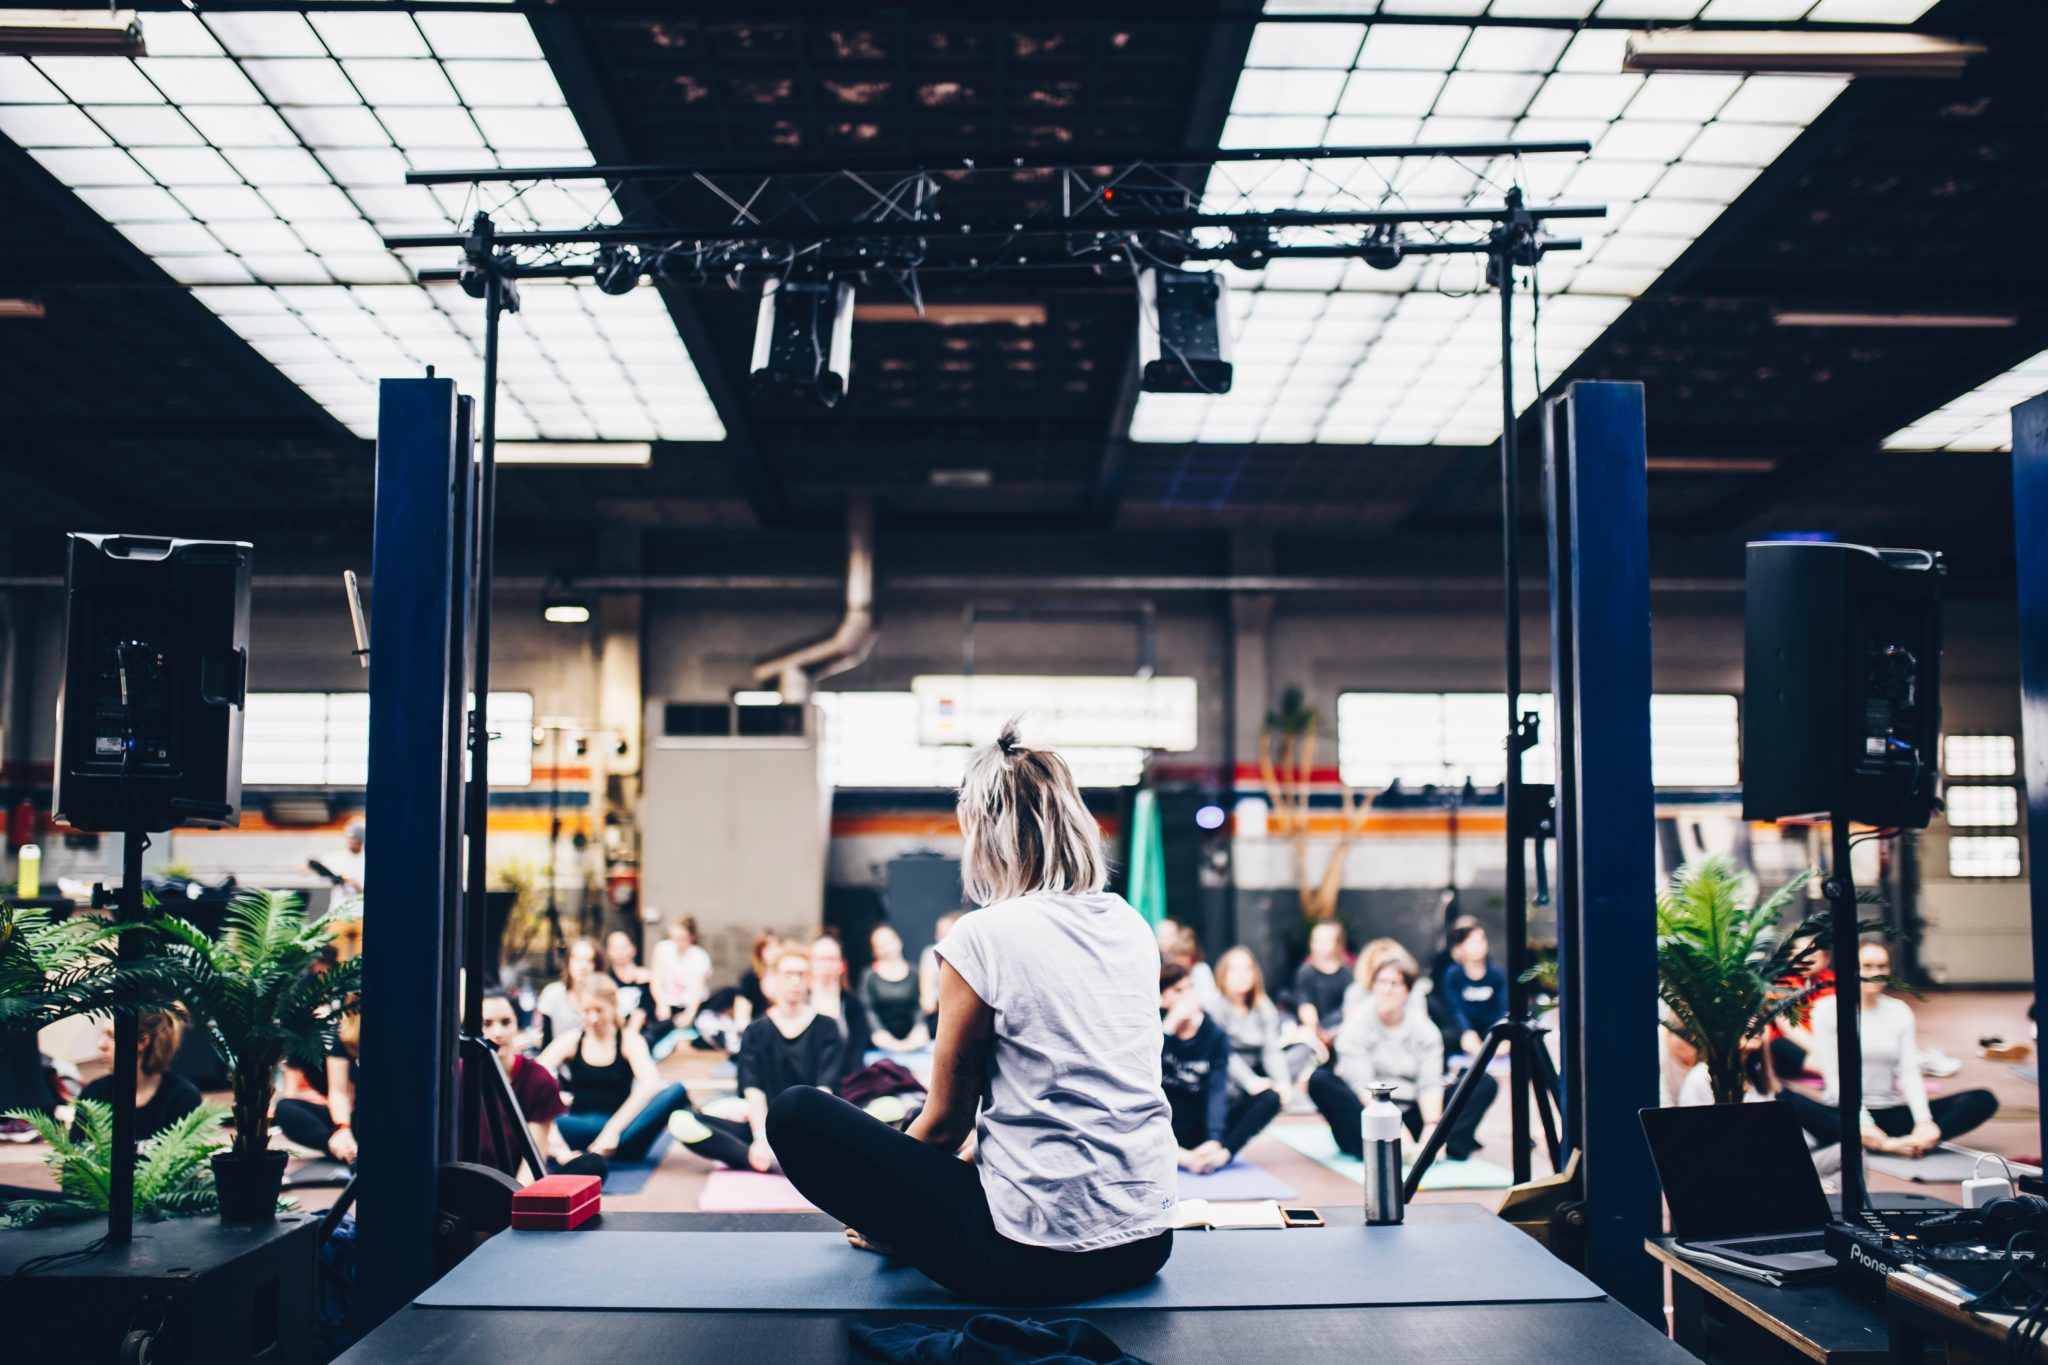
x=1208 y=1157
x=1924 y=1138
x=1259 y=1085
x=604 y=1144
x=343 y=1145
x=762 y=1157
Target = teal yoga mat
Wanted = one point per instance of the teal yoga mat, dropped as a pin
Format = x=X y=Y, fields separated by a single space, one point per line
x=1313 y=1140
x=1432 y=1262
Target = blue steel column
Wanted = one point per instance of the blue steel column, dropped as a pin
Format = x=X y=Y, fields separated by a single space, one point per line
x=1613 y=830
x=2030 y=555
x=406 y=1001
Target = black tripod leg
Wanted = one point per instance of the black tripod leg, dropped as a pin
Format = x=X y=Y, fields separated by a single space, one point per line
x=1543 y=1077
x=1461 y=1096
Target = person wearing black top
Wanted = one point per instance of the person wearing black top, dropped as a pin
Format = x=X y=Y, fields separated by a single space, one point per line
x=889 y=989
x=1209 y=1127
x=831 y=1000
x=1322 y=979
x=1472 y=991
x=792 y=1045
x=618 y=1104
x=329 y=1126
x=162 y=1097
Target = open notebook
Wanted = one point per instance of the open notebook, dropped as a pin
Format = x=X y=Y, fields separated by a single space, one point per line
x=1222 y=1214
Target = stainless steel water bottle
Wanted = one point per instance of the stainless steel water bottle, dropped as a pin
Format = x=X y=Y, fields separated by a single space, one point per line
x=1381 y=1128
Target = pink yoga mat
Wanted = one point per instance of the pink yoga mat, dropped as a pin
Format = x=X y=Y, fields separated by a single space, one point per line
x=751 y=1192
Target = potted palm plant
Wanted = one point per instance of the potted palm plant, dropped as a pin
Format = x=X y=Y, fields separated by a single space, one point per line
x=265 y=991
x=1723 y=972
x=171 y=1176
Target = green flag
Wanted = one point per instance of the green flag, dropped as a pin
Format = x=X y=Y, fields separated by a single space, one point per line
x=1147 y=883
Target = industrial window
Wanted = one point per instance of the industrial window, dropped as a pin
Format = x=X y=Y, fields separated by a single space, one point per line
x=322 y=739
x=1984 y=855
x=870 y=740
x=1447 y=737
x=1979 y=756
x=1975 y=807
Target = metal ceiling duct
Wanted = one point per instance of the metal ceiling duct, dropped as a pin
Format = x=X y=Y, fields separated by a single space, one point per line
x=794 y=671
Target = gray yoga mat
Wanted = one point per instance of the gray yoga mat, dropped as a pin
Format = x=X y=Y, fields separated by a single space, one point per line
x=1942 y=1166
x=1418 y=1263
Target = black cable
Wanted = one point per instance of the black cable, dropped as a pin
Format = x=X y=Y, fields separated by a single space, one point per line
x=59 y=1258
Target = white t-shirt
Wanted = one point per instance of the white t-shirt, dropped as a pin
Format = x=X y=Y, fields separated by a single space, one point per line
x=1891 y=1055
x=1076 y=1145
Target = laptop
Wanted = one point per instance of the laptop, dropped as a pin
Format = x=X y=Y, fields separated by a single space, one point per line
x=1741 y=1187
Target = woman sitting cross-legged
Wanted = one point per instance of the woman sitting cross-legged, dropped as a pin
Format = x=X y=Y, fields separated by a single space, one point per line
x=617 y=1102
x=1049 y=1019
x=791 y=1046
x=1384 y=1042
x=1211 y=1124
x=1268 y=1050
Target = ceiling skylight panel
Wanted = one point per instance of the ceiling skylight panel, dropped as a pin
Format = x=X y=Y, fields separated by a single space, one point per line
x=1980 y=419
x=262 y=154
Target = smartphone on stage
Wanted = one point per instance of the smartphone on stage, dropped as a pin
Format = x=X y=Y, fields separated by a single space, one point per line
x=1301 y=1218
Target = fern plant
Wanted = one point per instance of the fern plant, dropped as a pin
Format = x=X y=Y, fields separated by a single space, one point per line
x=1723 y=973
x=172 y=1177
x=264 y=993
x=52 y=969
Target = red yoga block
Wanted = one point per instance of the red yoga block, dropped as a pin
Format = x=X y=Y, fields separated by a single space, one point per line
x=556 y=1203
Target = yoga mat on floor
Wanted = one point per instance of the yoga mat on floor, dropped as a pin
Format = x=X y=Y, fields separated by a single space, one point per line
x=751 y=1192
x=1241 y=1179
x=1942 y=1166
x=1314 y=1142
x=630 y=1177
x=318 y=1173
x=1462 y=1261
x=2030 y=1074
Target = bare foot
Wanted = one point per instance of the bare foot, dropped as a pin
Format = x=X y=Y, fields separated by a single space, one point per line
x=860 y=1243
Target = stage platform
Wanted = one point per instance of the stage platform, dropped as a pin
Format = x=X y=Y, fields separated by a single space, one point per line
x=1509 y=1300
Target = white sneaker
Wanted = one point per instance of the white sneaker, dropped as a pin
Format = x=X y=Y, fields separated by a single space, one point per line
x=1935 y=1062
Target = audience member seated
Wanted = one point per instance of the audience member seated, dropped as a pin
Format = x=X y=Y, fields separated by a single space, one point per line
x=1792 y=1040
x=1898 y=1118
x=1759 y=1081
x=617 y=1101
x=560 y=1006
x=680 y=979
x=830 y=999
x=1268 y=1051
x=730 y=1009
x=1385 y=1042
x=162 y=1097
x=533 y=1087
x=1182 y=946
x=1471 y=992
x=635 y=982
x=328 y=1125
x=791 y=1045
x=1209 y=1126
x=1321 y=980
x=889 y=988
x=928 y=970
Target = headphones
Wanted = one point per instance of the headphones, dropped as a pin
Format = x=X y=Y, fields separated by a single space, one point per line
x=2000 y=1216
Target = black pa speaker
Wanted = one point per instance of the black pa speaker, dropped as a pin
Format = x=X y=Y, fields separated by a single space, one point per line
x=156 y=654
x=1841 y=706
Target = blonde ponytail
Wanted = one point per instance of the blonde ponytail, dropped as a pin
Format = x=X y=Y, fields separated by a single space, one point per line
x=1026 y=826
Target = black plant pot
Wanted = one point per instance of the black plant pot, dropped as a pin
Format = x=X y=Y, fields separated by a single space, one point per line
x=248 y=1186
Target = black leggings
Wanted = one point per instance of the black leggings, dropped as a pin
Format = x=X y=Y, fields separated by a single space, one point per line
x=1341 y=1109
x=1246 y=1118
x=927 y=1206
x=1953 y=1114
x=305 y=1122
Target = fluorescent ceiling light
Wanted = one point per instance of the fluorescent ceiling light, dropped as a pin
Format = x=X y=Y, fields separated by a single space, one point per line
x=757 y=699
x=962 y=478
x=1800 y=53
x=1336 y=351
x=259 y=156
x=575 y=452
x=1904 y=320
x=1982 y=418
x=86 y=32
x=566 y=613
x=22 y=308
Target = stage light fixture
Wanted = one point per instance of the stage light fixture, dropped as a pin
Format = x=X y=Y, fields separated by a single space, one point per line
x=803 y=339
x=70 y=33
x=1183 y=331
x=618 y=269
